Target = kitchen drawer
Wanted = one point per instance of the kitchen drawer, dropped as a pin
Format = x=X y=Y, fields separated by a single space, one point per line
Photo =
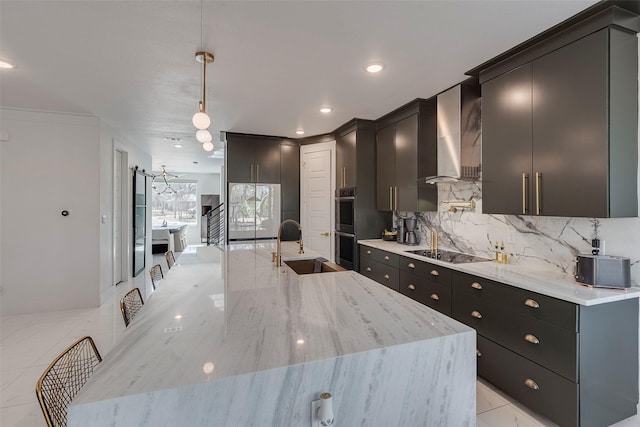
x=555 y=397
x=379 y=272
x=434 y=272
x=383 y=257
x=549 y=345
x=521 y=301
x=425 y=291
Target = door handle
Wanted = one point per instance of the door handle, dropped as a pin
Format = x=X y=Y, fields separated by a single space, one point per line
x=525 y=178
x=476 y=314
x=434 y=273
x=325 y=234
x=411 y=265
x=344 y=176
x=531 y=384
x=435 y=297
x=368 y=268
x=412 y=287
x=386 y=257
x=538 y=178
x=257 y=173
x=252 y=173
x=476 y=285
x=386 y=276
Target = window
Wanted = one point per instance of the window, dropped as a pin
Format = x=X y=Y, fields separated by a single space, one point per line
x=174 y=202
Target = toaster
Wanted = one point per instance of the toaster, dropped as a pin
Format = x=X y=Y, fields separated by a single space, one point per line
x=603 y=271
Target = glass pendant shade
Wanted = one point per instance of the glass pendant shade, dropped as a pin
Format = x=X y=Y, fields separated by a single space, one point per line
x=208 y=146
x=201 y=120
x=203 y=135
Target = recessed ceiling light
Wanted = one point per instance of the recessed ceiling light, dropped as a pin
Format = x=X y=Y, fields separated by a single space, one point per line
x=172 y=139
x=300 y=132
x=374 y=68
x=195 y=163
x=326 y=110
x=6 y=65
x=177 y=145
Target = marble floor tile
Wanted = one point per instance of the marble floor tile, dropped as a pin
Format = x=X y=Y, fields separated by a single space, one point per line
x=488 y=398
x=21 y=391
x=511 y=416
x=29 y=415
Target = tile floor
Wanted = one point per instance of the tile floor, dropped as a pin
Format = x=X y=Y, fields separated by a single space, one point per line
x=29 y=342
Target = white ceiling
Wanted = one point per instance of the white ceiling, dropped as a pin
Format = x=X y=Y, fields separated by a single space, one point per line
x=277 y=62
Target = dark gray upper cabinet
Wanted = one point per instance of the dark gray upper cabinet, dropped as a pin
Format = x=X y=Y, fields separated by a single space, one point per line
x=253 y=158
x=506 y=143
x=386 y=167
x=406 y=151
x=560 y=132
x=290 y=177
x=346 y=160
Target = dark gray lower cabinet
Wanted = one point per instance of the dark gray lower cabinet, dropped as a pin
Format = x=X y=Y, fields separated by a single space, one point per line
x=576 y=365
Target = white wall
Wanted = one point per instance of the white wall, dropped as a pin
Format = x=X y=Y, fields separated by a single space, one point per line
x=49 y=164
x=110 y=140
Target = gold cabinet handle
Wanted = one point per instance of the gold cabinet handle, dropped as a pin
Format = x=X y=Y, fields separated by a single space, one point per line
x=395 y=202
x=386 y=258
x=386 y=276
x=476 y=314
x=525 y=178
x=368 y=268
x=251 y=173
x=538 y=177
x=532 y=339
x=476 y=285
x=412 y=287
x=344 y=176
x=257 y=173
x=411 y=265
x=390 y=198
x=435 y=297
x=478 y=353
x=325 y=234
x=435 y=273
x=531 y=303
x=368 y=252
x=531 y=384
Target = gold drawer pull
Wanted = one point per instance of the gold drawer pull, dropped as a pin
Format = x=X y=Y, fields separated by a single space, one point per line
x=386 y=258
x=435 y=273
x=435 y=297
x=531 y=303
x=386 y=276
x=411 y=265
x=368 y=268
x=413 y=288
x=476 y=314
x=476 y=285
x=532 y=339
x=478 y=353
x=531 y=384
x=369 y=252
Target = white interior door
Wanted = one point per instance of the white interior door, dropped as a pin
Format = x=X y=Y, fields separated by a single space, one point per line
x=317 y=201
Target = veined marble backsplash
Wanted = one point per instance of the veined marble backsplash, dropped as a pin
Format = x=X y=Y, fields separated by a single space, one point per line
x=551 y=242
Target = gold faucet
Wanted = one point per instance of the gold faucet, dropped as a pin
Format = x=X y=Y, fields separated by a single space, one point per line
x=278 y=254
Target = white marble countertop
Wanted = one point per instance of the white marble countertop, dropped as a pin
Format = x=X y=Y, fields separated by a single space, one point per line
x=219 y=314
x=545 y=282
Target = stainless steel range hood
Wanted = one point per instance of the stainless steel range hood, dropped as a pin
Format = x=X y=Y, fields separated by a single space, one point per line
x=459 y=135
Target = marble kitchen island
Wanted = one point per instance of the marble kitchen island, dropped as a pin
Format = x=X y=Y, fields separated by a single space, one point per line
x=228 y=339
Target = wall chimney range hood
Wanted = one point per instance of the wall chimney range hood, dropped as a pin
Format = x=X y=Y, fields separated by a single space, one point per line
x=459 y=135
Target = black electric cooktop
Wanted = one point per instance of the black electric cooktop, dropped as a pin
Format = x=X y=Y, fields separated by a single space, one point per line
x=448 y=256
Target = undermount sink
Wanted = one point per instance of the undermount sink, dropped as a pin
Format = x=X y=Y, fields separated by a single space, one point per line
x=315 y=265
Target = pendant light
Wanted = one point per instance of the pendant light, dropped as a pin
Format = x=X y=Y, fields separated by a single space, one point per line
x=201 y=119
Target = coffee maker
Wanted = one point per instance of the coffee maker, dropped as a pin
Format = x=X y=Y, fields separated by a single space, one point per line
x=410 y=225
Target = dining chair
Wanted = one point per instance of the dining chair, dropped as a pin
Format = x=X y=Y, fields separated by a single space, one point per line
x=156 y=274
x=64 y=377
x=130 y=304
x=170 y=258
